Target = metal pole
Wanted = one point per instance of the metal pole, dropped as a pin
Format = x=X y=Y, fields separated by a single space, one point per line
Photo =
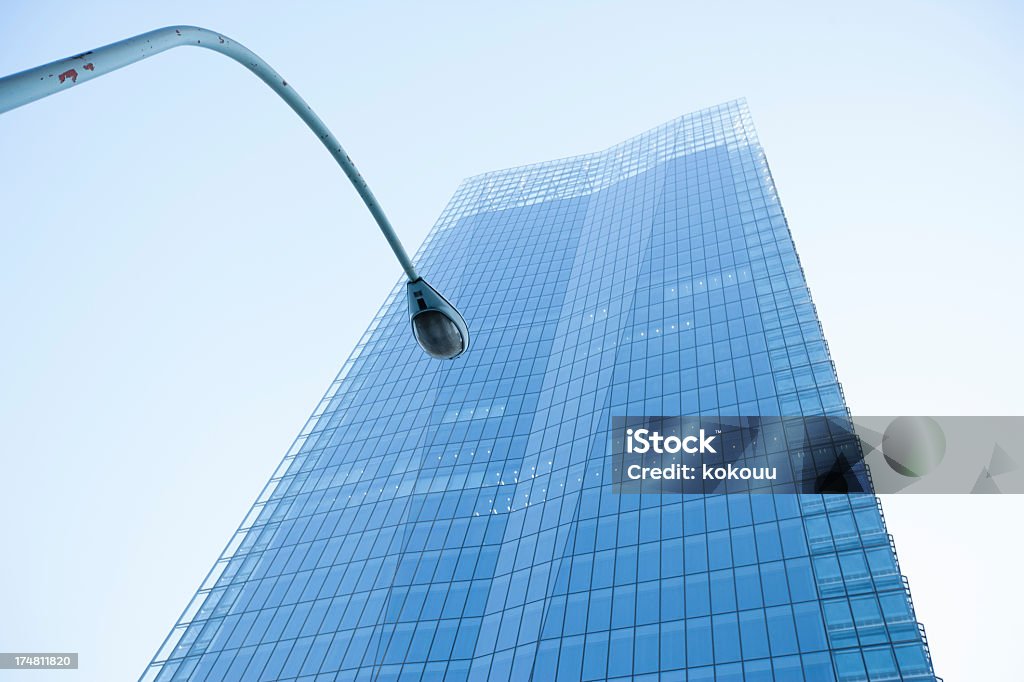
x=42 y=81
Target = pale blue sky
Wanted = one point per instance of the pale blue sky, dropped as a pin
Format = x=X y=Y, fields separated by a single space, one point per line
x=183 y=269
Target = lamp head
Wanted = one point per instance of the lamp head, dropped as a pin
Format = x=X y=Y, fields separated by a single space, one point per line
x=439 y=328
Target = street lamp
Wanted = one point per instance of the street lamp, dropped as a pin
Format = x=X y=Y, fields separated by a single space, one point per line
x=437 y=326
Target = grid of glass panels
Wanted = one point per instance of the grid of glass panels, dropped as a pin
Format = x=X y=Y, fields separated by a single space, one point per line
x=455 y=520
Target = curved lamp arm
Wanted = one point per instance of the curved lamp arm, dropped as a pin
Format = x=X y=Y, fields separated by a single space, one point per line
x=32 y=84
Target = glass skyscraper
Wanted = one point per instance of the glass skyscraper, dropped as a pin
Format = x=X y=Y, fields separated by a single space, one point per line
x=456 y=520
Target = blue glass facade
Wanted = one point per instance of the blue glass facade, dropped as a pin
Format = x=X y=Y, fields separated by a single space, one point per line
x=455 y=520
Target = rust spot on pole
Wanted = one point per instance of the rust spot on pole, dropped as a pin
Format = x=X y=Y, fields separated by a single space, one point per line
x=89 y=67
x=70 y=73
